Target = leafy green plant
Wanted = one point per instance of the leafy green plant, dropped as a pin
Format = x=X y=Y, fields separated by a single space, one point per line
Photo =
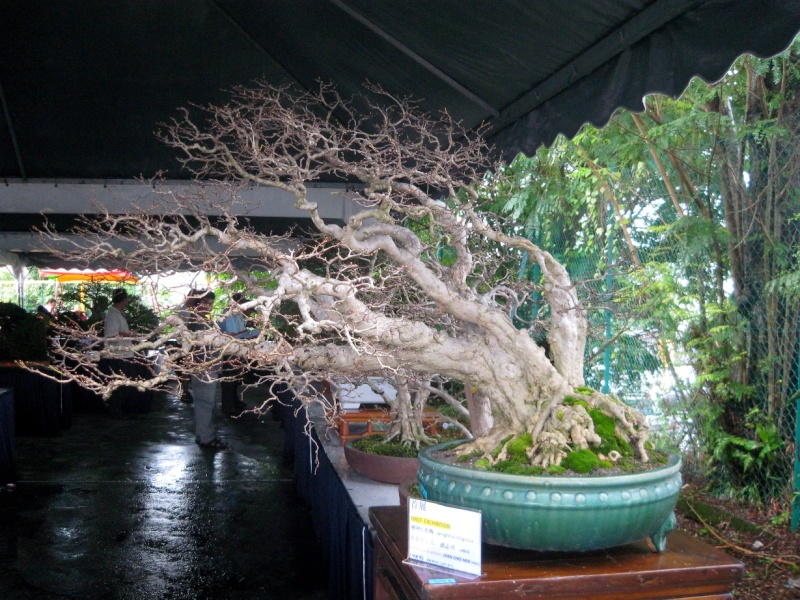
x=23 y=336
x=742 y=466
x=759 y=453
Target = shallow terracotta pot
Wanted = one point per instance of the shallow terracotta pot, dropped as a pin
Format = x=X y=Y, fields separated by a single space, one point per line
x=386 y=469
x=570 y=513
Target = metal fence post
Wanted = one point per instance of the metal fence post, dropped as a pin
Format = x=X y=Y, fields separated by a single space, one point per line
x=796 y=487
x=609 y=290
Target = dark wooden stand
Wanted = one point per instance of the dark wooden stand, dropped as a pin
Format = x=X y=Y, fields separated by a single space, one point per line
x=688 y=569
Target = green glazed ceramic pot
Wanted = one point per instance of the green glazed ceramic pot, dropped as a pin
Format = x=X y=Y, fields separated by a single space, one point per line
x=559 y=513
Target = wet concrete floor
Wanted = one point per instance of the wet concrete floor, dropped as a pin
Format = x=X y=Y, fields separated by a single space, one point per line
x=129 y=507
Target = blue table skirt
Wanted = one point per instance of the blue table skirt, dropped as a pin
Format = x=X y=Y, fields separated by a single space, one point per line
x=42 y=407
x=123 y=400
x=345 y=538
x=8 y=472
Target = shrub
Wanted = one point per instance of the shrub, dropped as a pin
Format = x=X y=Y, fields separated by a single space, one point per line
x=23 y=336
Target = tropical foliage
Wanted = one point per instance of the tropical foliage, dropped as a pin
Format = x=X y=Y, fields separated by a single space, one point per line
x=684 y=218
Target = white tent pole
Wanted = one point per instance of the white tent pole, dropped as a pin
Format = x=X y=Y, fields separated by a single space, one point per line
x=18 y=271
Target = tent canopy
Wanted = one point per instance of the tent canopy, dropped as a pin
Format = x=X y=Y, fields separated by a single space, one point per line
x=85 y=84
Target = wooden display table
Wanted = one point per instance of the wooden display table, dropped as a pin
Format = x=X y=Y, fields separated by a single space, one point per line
x=369 y=416
x=688 y=569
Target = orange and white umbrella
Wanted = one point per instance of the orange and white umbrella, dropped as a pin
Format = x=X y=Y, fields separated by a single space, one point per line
x=94 y=275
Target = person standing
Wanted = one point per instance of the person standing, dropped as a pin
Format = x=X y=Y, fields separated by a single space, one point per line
x=234 y=324
x=115 y=325
x=120 y=358
x=187 y=314
x=204 y=381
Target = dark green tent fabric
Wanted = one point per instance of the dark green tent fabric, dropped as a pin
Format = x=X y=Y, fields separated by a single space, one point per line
x=83 y=85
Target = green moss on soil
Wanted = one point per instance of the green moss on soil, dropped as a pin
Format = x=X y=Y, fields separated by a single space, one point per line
x=614 y=442
x=715 y=516
x=496 y=451
x=628 y=464
x=516 y=467
x=605 y=427
x=377 y=444
x=469 y=456
x=573 y=401
x=581 y=461
x=518 y=447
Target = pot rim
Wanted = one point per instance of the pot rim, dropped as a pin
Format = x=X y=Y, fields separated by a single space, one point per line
x=349 y=446
x=577 y=481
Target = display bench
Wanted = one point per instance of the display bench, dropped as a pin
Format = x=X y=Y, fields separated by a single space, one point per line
x=8 y=471
x=124 y=400
x=688 y=569
x=42 y=405
x=337 y=499
x=353 y=424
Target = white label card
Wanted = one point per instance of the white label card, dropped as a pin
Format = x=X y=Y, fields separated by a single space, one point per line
x=444 y=536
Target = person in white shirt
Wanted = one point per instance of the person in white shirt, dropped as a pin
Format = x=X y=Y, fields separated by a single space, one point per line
x=115 y=323
x=115 y=326
x=204 y=384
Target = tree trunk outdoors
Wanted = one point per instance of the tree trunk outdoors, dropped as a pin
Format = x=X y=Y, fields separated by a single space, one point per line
x=761 y=218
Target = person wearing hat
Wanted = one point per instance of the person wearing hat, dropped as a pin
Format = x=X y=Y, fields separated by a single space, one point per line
x=115 y=323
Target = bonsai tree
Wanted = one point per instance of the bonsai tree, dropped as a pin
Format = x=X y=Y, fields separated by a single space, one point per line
x=418 y=285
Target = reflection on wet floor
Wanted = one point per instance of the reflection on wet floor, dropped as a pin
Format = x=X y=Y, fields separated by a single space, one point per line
x=130 y=507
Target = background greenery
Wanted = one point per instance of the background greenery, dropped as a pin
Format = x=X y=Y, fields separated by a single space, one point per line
x=682 y=225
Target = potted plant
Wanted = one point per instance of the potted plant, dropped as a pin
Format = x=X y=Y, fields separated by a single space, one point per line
x=42 y=403
x=23 y=336
x=380 y=460
x=390 y=455
x=419 y=281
